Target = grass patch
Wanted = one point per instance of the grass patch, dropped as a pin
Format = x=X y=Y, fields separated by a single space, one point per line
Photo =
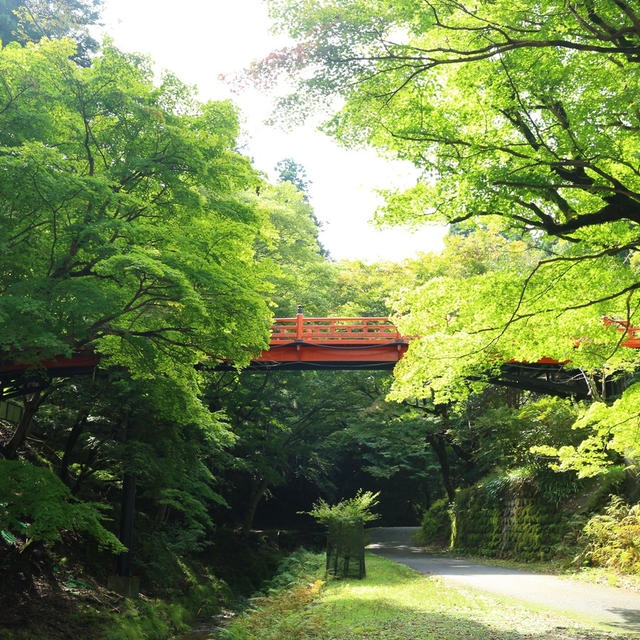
x=396 y=603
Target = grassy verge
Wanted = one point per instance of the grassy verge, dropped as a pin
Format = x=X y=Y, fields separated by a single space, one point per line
x=285 y=610
x=396 y=603
x=560 y=567
x=593 y=575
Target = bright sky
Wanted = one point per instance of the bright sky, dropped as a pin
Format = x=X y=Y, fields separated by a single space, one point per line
x=200 y=39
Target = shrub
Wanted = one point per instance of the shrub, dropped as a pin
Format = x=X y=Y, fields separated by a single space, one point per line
x=35 y=499
x=353 y=510
x=613 y=538
x=608 y=483
x=345 y=532
x=436 y=523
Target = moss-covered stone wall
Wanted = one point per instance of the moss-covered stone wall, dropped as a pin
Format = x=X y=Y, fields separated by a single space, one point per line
x=506 y=517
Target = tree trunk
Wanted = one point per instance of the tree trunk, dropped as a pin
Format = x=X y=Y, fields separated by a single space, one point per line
x=440 y=447
x=127 y=513
x=256 y=495
x=31 y=403
x=127 y=510
x=514 y=397
x=76 y=431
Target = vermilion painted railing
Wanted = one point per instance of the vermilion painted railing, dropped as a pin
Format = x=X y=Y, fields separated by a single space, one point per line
x=633 y=333
x=371 y=342
x=373 y=330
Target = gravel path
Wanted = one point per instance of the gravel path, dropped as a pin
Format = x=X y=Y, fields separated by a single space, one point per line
x=605 y=605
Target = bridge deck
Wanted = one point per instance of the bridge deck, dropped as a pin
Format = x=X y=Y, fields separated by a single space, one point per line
x=315 y=343
x=296 y=343
x=340 y=343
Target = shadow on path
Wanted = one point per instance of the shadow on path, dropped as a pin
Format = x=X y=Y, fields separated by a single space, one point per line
x=585 y=602
x=386 y=619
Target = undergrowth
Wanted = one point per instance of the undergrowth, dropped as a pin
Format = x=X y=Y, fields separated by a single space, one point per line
x=282 y=610
x=613 y=537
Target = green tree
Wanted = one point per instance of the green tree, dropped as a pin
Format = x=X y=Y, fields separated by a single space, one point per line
x=31 y=20
x=282 y=422
x=301 y=274
x=290 y=171
x=125 y=228
x=462 y=314
x=483 y=99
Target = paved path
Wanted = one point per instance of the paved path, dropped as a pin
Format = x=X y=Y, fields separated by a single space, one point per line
x=605 y=605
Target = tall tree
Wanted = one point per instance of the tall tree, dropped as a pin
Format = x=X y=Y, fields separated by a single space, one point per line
x=290 y=171
x=125 y=229
x=282 y=421
x=483 y=99
x=521 y=119
x=292 y=246
x=31 y=20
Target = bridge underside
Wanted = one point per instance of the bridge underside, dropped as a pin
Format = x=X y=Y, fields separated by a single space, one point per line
x=555 y=379
x=549 y=378
x=544 y=378
x=306 y=355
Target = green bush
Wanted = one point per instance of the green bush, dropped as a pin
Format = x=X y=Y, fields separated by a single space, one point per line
x=345 y=532
x=244 y=563
x=436 y=523
x=34 y=499
x=613 y=538
x=608 y=483
x=353 y=510
x=143 y=620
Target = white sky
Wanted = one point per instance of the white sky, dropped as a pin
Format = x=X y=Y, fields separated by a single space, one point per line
x=198 y=40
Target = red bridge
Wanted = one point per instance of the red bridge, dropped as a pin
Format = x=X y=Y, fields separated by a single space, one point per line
x=346 y=343
x=333 y=343
x=296 y=343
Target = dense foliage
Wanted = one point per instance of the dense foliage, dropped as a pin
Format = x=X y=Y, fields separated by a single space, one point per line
x=133 y=229
x=613 y=537
x=520 y=120
x=31 y=20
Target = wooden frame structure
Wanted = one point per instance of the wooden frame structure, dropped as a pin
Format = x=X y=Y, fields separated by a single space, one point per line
x=337 y=343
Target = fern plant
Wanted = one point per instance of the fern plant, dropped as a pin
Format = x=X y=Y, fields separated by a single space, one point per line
x=36 y=501
x=614 y=537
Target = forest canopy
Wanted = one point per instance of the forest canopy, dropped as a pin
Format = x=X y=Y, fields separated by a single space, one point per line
x=125 y=229
x=137 y=234
x=522 y=119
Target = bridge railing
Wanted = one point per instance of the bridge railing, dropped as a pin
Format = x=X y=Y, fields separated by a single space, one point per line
x=631 y=332
x=370 y=330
